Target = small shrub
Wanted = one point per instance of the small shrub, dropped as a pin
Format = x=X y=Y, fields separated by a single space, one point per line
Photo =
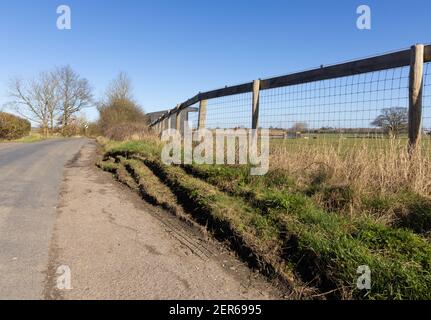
x=13 y=127
x=122 y=119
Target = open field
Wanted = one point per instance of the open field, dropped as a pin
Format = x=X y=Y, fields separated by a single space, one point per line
x=376 y=142
x=318 y=215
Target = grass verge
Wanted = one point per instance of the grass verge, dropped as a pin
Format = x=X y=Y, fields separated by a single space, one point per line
x=283 y=231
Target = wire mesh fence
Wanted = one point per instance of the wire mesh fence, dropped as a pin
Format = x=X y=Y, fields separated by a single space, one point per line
x=426 y=111
x=427 y=98
x=193 y=117
x=229 y=112
x=362 y=99
x=347 y=105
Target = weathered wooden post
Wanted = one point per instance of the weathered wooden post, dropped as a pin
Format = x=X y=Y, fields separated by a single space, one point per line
x=165 y=124
x=169 y=121
x=255 y=106
x=415 y=95
x=202 y=114
x=178 y=118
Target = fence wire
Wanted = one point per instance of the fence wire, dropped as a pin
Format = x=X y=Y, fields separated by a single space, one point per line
x=427 y=98
x=346 y=105
x=193 y=116
x=229 y=112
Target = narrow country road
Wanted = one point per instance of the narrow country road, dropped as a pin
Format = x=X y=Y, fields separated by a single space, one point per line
x=30 y=176
x=58 y=210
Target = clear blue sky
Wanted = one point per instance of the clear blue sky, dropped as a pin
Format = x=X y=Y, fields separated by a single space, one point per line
x=174 y=49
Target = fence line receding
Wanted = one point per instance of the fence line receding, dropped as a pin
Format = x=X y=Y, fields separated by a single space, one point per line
x=346 y=98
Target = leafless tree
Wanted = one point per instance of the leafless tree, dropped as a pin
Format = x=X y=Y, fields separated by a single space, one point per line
x=120 y=88
x=299 y=127
x=36 y=100
x=120 y=116
x=75 y=93
x=393 y=120
x=47 y=89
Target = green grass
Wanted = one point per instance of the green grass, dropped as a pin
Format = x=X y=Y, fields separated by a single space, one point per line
x=346 y=142
x=334 y=245
x=129 y=148
x=33 y=137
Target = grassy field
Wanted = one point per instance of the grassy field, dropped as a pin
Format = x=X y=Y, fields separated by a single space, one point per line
x=347 y=141
x=319 y=214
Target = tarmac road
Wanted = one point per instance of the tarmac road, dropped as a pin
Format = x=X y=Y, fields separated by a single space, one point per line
x=30 y=176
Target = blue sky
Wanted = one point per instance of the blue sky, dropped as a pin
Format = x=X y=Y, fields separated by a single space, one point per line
x=174 y=49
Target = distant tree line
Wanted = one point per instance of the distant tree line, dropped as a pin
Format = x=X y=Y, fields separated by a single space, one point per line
x=391 y=121
x=53 y=100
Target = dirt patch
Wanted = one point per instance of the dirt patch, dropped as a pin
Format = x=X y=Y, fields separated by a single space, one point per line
x=119 y=247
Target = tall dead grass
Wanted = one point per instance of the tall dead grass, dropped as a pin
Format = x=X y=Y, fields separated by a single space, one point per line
x=369 y=170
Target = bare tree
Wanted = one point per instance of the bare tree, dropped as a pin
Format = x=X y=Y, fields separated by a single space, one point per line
x=120 y=88
x=120 y=116
x=299 y=127
x=393 y=120
x=47 y=91
x=36 y=100
x=75 y=93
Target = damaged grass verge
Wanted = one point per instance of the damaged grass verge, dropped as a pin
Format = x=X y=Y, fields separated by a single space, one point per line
x=327 y=248
x=229 y=219
x=284 y=232
x=140 y=178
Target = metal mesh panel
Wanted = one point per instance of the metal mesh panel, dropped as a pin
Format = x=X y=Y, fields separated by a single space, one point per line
x=427 y=98
x=343 y=105
x=229 y=112
x=356 y=106
x=193 y=116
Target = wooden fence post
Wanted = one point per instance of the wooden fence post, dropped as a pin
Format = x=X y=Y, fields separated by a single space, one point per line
x=415 y=95
x=178 y=119
x=255 y=106
x=169 y=120
x=164 y=124
x=202 y=114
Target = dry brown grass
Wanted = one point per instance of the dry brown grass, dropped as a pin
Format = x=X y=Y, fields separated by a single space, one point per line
x=377 y=170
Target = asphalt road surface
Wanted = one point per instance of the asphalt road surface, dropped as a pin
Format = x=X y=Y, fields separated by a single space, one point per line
x=30 y=176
